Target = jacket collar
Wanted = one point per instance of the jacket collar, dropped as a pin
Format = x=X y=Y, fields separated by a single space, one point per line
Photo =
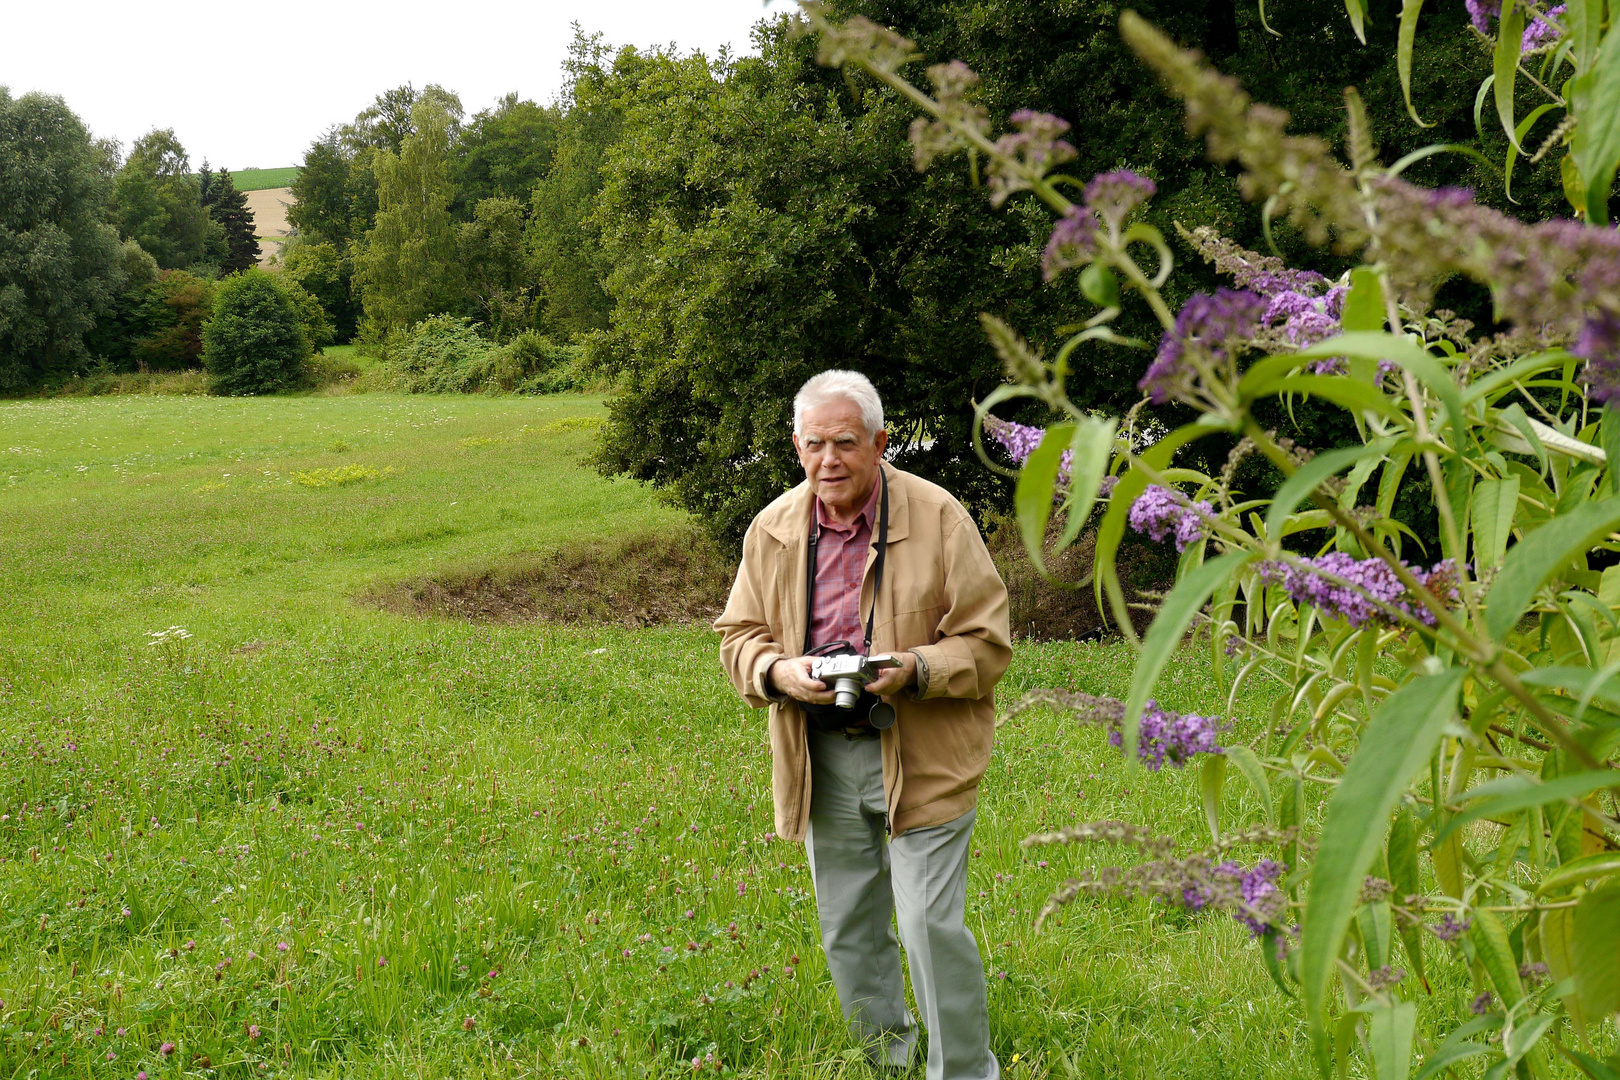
x=789 y=520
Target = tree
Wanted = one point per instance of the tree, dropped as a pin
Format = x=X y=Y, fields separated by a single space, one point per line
x=774 y=195
x=59 y=257
x=500 y=283
x=255 y=343
x=407 y=268
x=229 y=209
x=564 y=239
x=325 y=273
x=160 y=202
x=323 y=208
x=504 y=151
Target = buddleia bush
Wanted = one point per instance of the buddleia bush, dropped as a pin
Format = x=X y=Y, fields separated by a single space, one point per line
x=1456 y=712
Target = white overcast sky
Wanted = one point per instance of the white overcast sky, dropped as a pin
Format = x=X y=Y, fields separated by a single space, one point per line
x=250 y=85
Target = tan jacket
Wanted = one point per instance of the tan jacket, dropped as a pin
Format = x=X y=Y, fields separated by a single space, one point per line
x=942 y=598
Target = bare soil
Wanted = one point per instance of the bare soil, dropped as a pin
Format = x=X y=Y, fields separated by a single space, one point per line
x=640 y=580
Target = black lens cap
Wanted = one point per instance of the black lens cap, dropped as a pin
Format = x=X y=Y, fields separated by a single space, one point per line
x=881 y=716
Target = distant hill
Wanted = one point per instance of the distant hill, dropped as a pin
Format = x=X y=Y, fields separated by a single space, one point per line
x=263 y=179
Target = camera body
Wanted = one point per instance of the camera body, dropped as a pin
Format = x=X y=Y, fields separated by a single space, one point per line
x=848 y=674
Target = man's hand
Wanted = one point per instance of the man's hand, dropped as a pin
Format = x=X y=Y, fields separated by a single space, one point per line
x=791 y=676
x=896 y=679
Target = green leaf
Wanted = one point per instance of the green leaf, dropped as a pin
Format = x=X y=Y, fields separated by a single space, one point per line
x=1557 y=942
x=1099 y=285
x=1357 y=10
x=1585 y=21
x=1169 y=627
x=1211 y=779
x=1595 y=950
x=1270 y=942
x=1595 y=142
x=1091 y=447
x=1526 y=1035
x=1347 y=393
x=1389 y=1036
x=1395 y=747
x=1513 y=153
x=1250 y=767
x=1504 y=378
x=1309 y=475
x=1514 y=793
x=1439 y=148
x=1609 y=434
x=1376 y=929
x=1412 y=357
x=1495 y=502
x=1447 y=1056
x=1540 y=556
x=1580 y=871
x=1589 y=1065
x=1364 y=304
x=1403 y=54
x=1037 y=484
x=1509 y=37
x=1112 y=528
x=1490 y=941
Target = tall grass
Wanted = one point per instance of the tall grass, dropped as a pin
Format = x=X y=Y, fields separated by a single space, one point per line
x=314 y=839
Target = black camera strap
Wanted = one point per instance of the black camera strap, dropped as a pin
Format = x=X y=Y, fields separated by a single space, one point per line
x=877 y=581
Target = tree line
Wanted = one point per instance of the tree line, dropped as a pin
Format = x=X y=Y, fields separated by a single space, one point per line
x=709 y=231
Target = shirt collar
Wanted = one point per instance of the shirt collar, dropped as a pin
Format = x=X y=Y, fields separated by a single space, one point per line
x=868 y=512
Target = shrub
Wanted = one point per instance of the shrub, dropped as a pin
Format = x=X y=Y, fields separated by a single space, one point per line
x=445 y=355
x=171 y=314
x=255 y=343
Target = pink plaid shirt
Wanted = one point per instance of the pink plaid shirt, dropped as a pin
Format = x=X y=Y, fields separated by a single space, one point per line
x=840 y=565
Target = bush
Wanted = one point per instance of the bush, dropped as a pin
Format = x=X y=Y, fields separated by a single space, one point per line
x=256 y=342
x=171 y=316
x=445 y=355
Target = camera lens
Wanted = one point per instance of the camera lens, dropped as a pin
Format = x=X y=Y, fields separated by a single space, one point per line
x=846 y=693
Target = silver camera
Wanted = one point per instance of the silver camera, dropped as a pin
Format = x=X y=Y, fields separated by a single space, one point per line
x=849 y=673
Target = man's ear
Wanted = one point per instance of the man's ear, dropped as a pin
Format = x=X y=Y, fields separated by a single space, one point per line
x=881 y=441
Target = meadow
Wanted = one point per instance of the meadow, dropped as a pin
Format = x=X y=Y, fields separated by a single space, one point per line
x=252 y=826
x=263 y=179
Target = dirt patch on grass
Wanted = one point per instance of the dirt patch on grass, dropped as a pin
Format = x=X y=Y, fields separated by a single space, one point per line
x=638 y=580
x=269 y=209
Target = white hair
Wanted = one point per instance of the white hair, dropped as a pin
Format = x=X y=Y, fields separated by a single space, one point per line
x=838 y=385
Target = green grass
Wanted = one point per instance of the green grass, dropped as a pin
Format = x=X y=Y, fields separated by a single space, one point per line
x=315 y=839
x=260 y=179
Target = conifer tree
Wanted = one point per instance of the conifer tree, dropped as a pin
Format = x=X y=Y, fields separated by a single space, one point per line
x=229 y=208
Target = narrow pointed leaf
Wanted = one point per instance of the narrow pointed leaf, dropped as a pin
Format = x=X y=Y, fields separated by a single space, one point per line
x=1395 y=747
x=1169 y=627
x=1517 y=793
x=1389 y=1036
x=1490 y=941
x=1254 y=773
x=1403 y=53
x=1595 y=142
x=1090 y=448
x=1297 y=488
x=1542 y=554
x=1595 y=950
x=1037 y=484
x=1211 y=781
x=1509 y=38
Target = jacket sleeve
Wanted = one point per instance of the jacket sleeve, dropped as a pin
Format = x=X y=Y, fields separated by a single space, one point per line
x=747 y=649
x=975 y=646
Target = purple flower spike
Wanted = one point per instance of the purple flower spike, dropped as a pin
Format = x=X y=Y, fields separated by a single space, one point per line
x=1035 y=145
x=1372 y=591
x=1599 y=345
x=1073 y=242
x=1164 y=736
x=1160 y=512
x=1213 y=325
x=1113 y=195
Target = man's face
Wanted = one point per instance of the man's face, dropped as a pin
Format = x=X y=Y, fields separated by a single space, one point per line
x=840 y=459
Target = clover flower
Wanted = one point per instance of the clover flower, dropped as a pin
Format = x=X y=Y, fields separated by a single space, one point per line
x=1598 y=344
x=1214 y=325
x=1161 y=511
x=1371 y=591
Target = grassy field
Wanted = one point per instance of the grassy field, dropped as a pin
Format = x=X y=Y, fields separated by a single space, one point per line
x=313 y=839
x=263 y=179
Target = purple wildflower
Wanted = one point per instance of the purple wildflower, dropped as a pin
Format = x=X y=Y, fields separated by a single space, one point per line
x=1073 y=242
x=1211 y=325
x=1450 y=929
x=1036 y=148
x=1168 y=736
x=1372 y=589
x=1481 y=1005
x=1113 y=195
x=1245 y=891
x=1599 y=345
x=1539 y=31
x=1020 y=441
x=1160 y=512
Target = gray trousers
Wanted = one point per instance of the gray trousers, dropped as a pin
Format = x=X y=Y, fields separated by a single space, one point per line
x=863 y=882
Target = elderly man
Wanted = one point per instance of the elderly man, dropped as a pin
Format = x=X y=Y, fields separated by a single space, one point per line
x=865 y=556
